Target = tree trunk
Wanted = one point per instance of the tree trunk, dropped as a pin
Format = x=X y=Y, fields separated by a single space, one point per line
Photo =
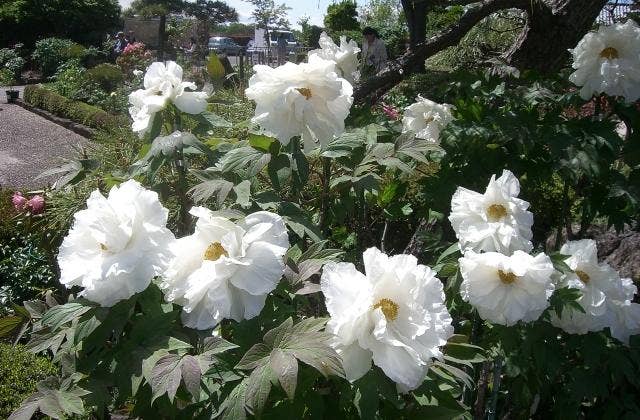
x=202 y=30
x=552 y=27
x=415 y=12
x=162 y=34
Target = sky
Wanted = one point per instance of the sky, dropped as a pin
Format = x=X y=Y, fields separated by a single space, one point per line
x=315 y=9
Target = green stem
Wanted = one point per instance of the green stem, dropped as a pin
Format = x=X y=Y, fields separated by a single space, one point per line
x=497 y=371
x=326 y=179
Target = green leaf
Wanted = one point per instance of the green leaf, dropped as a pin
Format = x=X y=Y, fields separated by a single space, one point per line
x=166 y=376
x=61 y=314
x=205 y=190
x=465 y=352
x=216 y=345
x=258 y=387
x=264 y=143
x=9 y=323
x=256 y=356
x=191 y=374
x=233 y=407
x=213 y=120
x=285 y=368
x=239 y=158
x=243 y=193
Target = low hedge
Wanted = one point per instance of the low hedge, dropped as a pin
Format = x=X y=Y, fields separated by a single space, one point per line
x=20 y=371
x=80 y=112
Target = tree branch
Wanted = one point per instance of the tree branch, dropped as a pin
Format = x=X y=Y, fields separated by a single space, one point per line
x=406 y=64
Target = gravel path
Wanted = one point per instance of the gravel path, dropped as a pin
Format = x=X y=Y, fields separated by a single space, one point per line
x=29 y=145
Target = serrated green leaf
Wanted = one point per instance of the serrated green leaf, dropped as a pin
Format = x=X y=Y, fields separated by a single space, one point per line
x=9 y=323
x=61 y=314
x=258 y=388
x=233 y=407
x=285 y=368
x=257 y=355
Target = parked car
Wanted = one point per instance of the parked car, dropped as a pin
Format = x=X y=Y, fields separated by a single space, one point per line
x=223 y=45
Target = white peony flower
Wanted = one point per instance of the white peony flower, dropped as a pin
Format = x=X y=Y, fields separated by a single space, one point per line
x=163 y=84
x=345 y=56
x=596 y=281
x=307 y=99
x=395 y=315
x=608 y=61
x=117 y=245
x=494 y=221
x=507 y=289
x=623 y=316
x=426 y=119
x=226 y=269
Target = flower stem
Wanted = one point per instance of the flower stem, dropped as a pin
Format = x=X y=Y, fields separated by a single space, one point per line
x=326 y=179
x=497 y=371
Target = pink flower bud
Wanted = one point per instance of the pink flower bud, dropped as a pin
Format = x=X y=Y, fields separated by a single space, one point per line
x=390 y=112
x=36 y=204
x=19 y=202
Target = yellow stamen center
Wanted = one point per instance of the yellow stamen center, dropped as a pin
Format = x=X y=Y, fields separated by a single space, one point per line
x=584 y=277
x=103 y=247
x=215 y=251
x=496 y=212
x=506 y=278
x=609 y=53
x=306 y=92
x=389 y=308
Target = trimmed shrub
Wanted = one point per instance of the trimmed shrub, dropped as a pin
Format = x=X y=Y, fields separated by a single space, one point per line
x=80 y=112
x=50 y=53
x=108 y=76
x=20 y=371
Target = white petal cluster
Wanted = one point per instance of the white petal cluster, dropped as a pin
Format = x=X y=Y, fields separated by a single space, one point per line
x=117 y=245
x=494 y=221
x=394 y=315
x=606 y=298
x=226 y=269
x=426 y=119
x=163 y=84
x=345 y=56
x=306 y=99
x=608 y=61
x=507 y=289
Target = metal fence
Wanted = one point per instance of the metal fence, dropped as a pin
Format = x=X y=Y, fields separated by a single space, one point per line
x=614 y=11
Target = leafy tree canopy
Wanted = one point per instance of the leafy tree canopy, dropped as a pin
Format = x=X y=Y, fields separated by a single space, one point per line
x=342 y=16
x=84 y=21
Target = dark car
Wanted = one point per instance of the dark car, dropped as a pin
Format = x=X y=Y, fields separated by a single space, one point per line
x=223 y=45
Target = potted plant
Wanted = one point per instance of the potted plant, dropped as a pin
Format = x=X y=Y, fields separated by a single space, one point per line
x=6 y=79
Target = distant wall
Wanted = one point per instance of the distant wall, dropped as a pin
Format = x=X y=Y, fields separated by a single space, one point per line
x=145 y=30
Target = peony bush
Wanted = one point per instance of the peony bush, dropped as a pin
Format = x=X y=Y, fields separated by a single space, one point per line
x=336 y=261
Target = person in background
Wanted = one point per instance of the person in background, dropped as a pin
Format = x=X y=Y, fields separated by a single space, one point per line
x=374 y=52
x=282 y=49
x=131 y=37
x=120 y=45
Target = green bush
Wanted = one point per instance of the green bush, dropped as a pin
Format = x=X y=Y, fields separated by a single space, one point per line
x=20 y=371
x=50 y=53
x=89 y=115
x=108 y=76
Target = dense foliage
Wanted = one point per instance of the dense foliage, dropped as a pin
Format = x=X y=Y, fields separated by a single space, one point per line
x=84 y=21
x=20 y=371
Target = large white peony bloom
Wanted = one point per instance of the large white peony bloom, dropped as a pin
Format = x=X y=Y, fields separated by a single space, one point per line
x=395 y=315
x=226 y=270
x=345 y=56
x=117 y=245
x=623 y=316
x=608 y=61
x=596 y=281
x=507 y=289
x=163 y=84
x=426 y=119
x=307 y=99
x=494 y=221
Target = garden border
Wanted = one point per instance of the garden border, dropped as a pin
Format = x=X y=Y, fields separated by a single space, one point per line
x=77 y=128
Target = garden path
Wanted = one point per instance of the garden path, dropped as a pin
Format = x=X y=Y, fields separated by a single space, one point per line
x=30 y=144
